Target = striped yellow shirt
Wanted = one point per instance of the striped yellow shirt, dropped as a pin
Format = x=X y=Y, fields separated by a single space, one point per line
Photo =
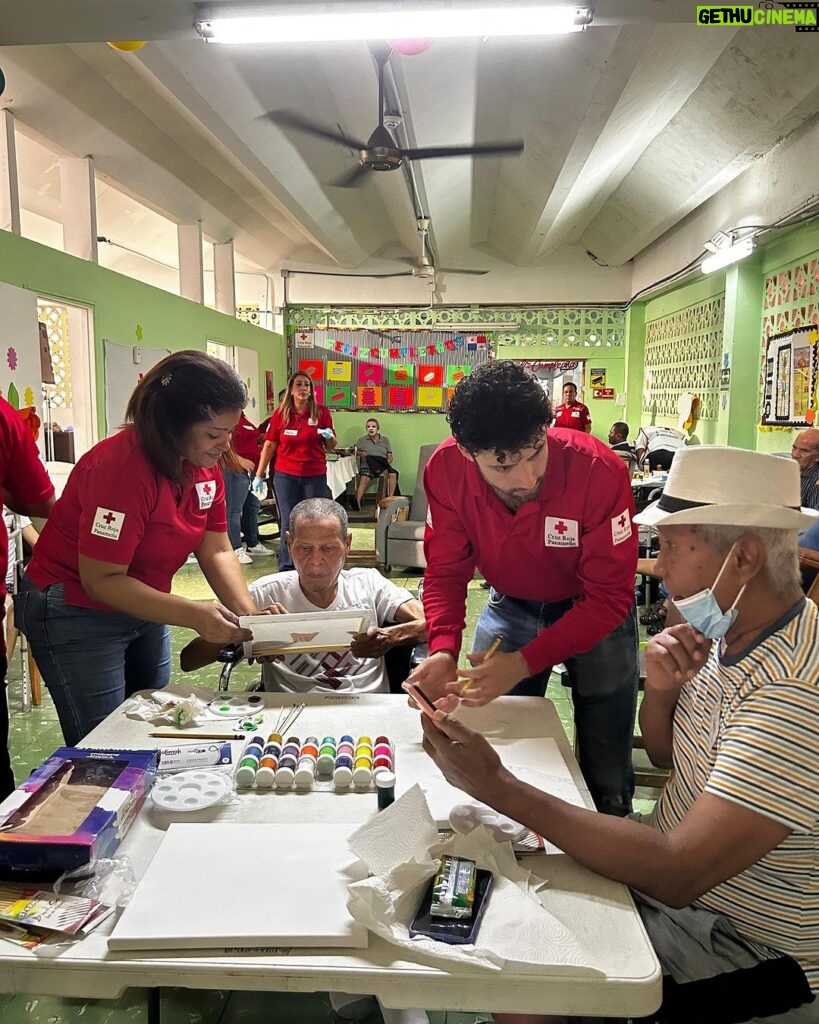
x=746 y=729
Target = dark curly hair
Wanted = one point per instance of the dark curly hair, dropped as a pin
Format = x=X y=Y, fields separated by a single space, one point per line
x=182 y=389
x=499 y=407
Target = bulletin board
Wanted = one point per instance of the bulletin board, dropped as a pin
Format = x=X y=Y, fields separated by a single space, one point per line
x=387 y=371
x=789 y=379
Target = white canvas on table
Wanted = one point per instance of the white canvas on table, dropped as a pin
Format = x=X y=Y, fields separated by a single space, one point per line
x=296 y=632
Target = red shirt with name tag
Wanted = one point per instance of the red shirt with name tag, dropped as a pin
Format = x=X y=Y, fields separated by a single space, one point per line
x=576 y=542
x=301 y=447
x=246 y=440
x=117 y=508
x=575 y=416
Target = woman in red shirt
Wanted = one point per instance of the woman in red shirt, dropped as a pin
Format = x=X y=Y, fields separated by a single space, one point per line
x=96 y=597
x=300 y=432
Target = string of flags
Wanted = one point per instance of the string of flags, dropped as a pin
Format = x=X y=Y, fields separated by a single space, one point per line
x=472 y=343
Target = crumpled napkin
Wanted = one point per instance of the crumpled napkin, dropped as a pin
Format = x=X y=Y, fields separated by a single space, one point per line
x=401 y=848
x=167 y=707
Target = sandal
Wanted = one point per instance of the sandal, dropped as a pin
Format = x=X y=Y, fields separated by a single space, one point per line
x=655 y=613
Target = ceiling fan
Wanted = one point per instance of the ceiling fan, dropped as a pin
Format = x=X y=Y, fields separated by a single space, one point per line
x=381 y=152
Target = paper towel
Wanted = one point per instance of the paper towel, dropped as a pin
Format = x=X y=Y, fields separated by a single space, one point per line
x=401 y=848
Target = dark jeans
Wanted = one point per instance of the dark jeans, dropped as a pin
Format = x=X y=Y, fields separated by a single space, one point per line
x=604 y=684
x=237 y=487
x=290 y=490
x=250 y=519
x=90 y=660
x=6 y=774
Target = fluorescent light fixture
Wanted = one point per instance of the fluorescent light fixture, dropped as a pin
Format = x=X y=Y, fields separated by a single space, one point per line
x=724 y=257
x=331 y=23
x=470 y=327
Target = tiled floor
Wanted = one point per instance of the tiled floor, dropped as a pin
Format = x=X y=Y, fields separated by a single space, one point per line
x=36 y=734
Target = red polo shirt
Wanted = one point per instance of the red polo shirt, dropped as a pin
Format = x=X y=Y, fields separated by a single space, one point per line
x=246 y=440
x=301 y=447
x=23 y=476
x=576 y=541
x=117 y=508
x=575 y=416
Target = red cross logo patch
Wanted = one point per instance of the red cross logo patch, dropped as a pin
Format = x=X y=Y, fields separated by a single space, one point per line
x=621 y=527
x=560 y=532
x=107 y=523
x=206 y=492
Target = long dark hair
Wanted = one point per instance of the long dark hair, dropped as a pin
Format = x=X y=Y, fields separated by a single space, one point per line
x=288 y=405
x=182 y=389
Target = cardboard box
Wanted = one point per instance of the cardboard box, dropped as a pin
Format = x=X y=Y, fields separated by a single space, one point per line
x=72 y=810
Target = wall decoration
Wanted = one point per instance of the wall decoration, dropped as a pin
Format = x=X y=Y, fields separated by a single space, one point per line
x=789 y=379
x=430 y=376
x=314 y=368
x=369 y=398
x=339 y=371
x=400 y=398
x=338 y=396
x=430 y=398
x=401 y=373
x=455 y=374
x=370 y=373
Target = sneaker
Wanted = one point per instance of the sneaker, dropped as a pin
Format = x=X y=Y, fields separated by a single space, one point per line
x=243 y=557
x=259 y=549
x=355 y=505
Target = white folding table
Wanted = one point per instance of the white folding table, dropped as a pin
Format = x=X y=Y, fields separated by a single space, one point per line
x=599 y=912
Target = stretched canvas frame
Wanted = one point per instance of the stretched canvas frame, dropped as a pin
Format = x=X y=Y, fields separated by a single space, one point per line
x=300 y=632
x=789 y=378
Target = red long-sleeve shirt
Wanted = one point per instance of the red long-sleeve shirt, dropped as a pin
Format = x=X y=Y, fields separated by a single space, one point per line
x=576 y=541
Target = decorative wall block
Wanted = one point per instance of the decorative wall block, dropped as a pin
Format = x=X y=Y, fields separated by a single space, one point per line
x=683 y=352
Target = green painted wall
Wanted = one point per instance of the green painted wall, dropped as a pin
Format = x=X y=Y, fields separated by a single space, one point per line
x=119 y=303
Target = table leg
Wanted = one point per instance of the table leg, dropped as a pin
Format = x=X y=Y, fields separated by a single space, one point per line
x=154 y=1005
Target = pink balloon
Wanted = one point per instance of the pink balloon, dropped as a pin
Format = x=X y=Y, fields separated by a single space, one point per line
x=410 y=47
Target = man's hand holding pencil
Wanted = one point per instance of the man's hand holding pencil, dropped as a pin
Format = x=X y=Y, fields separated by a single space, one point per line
x=493 y=674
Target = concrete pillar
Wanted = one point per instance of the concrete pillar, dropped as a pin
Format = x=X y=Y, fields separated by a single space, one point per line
x=191 y=271
x=224 y=281
x=635 y=362
x=9 y=186
x=79 y=207
x=738 y=398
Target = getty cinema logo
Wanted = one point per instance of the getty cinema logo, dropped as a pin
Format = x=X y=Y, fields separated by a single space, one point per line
x=804 y=17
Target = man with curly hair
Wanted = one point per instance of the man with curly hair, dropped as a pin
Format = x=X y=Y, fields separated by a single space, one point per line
x=545 y=515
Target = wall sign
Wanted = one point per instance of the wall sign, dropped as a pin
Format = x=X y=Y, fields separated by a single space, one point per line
x=603 y=393
x=789 y=379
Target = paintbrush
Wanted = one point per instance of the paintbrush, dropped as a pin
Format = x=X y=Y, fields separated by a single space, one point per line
x=198 y=735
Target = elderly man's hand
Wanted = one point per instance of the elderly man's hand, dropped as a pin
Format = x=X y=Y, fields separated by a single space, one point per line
x=465 y=758
x=372 y=644
x=486 y=680
x=675 y=656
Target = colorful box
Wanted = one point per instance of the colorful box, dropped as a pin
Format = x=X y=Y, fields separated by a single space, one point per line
x=45 y=829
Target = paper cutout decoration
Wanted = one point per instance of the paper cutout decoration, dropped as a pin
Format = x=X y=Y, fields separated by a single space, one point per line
x=430 y=376
x=455 y=374
x=314 y=368
x=449 y=393
x=318 y=391
x=370 y=398
x=370 y=373
x=399 y=398
x=401 y=373
x=339 y=370
x=430 y=398
x=338 y=396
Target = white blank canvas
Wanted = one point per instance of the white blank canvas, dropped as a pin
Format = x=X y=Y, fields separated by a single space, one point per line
x=222 y=885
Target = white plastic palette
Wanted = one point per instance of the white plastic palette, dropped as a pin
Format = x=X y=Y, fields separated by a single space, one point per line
x=190 y=791
x=239 y=706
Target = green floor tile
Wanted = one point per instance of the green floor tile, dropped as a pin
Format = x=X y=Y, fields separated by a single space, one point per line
x=23 y=1009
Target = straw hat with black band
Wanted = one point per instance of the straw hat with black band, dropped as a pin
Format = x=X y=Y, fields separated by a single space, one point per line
x=710 y=484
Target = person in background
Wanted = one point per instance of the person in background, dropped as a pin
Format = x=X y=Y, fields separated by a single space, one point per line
x=618 y=438
x=375 y=451
x=235 y=470
x=96 y=599
x=25 y=489
x=300 y=433
x=319 y=543
x=572 y=414
x=30 y=537
x=545 y=515
x=657 y=446
x=805 y=451
x=246 y=446
x=724 y=870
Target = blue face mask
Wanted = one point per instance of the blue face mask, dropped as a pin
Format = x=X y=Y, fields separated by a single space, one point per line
x=703 y=612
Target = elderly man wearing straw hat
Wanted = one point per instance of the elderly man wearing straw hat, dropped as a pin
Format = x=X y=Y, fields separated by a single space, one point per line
x=725 y=870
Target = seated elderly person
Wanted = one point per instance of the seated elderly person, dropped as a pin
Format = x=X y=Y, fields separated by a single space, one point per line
x=375 y=454
x=805 y=452
x=724 y=870
x=319 y=542
x=657 y=446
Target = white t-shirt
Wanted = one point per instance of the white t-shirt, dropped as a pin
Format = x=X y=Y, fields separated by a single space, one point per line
x=338 y=671
x=9 y=521
x=652 y=439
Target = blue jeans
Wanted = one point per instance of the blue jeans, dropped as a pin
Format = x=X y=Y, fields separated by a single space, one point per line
x=290 y=490
x=604 y=685
x=250 y=519
x=90 y=660
x=237 y=486
x=6 y=773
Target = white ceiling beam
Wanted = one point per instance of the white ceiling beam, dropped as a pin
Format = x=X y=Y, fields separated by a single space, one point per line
x=224 y=278
x=191 y=269
x=78 y=200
